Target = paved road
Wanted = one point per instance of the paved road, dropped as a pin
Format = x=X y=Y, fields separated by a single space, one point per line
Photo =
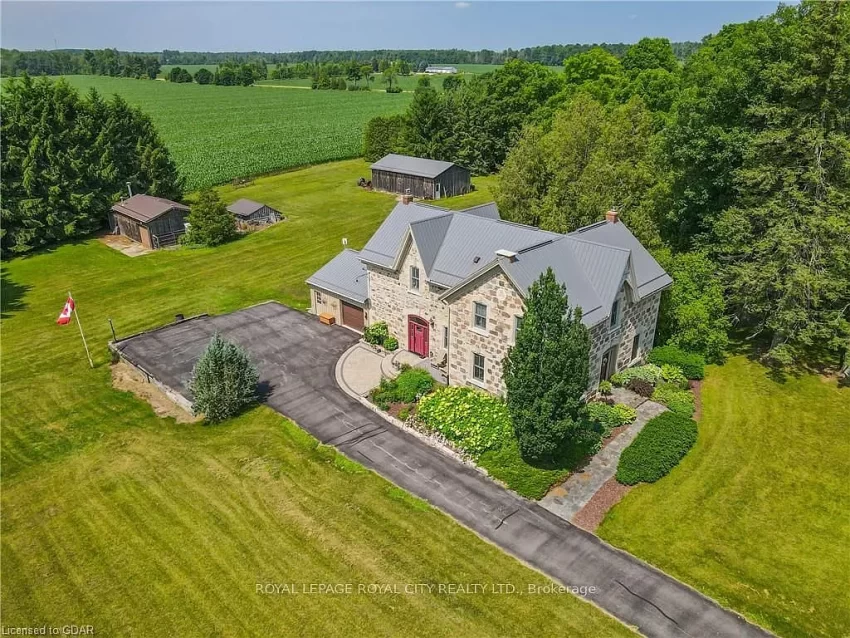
x=296 y=356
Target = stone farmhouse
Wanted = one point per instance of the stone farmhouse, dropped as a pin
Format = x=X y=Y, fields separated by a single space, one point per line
x=451 y=286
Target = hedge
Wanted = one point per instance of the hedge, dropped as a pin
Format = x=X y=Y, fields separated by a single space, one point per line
x=657 y=449
x=693 y=365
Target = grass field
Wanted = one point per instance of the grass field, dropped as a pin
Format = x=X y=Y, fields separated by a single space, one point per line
x=216 y=133
x=141 y=526
x=756 y=515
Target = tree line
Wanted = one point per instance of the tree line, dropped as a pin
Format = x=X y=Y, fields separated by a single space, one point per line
x=733 y=168
x=74 y=62
x=66 y=159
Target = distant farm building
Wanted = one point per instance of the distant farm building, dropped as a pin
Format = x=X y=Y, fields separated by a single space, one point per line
x=434 y=69
x=419 y=177
x=152 y=221
x=251 y=213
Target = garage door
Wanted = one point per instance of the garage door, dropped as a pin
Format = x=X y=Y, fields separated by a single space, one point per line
x=352 y=316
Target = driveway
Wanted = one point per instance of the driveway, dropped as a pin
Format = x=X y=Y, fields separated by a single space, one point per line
x=296 y=356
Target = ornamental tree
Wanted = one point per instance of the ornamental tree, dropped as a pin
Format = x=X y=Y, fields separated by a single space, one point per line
x=223 y=381
x=546 y=372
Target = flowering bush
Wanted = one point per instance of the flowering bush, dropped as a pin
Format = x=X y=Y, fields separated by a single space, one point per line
x=473 y=420
x=649 y=373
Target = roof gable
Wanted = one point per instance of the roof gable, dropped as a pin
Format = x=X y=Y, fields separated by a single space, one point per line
x=344 y=275
x=145 y=208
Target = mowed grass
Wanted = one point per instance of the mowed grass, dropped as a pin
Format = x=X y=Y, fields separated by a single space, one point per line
x=218 y=133
x=756 y=515
x=142 y=526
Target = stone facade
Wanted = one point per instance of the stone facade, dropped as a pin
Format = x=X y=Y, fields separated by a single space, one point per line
x=391 y=300
x=504 y=304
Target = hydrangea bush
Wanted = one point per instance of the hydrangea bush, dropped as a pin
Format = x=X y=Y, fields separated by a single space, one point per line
x=473 y=420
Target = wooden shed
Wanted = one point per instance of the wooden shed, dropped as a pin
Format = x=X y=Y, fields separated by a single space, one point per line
x=251 y=213
x=419 y=177
x=152 y=221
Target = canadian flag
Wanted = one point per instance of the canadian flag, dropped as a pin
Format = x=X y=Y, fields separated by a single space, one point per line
x=65 y=317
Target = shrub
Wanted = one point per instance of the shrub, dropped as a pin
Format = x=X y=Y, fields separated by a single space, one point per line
x=678 y=400
x=641 y=387
x=391 y=343
x=692 y=365
x=223 y=381
x=650 y=373
x=475 y=421
x=657 y=449
x=404 y=413
x=673 y=374
x=377 y=333
x=610 y=416
x=407 y=387
x=605 y=388
x=210 y=223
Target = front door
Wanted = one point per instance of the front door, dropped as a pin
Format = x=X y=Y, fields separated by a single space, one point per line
x=417 y=335
x=607 y=368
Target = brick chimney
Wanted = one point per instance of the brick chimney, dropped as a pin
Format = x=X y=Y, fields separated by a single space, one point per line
x=612 y=216
x=406 y=198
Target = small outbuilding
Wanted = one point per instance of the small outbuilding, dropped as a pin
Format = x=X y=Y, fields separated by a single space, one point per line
x=339 y=291
x=251 y=213
x=154 y=222
x=420 y=177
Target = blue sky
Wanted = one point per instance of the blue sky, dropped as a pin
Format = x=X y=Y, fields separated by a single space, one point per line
x=294 y=26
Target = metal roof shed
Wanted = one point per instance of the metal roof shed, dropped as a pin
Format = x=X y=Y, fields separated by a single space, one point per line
x=420 y=177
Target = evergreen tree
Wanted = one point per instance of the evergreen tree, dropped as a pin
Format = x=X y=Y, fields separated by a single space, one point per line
x=224 y=381
x=210 y=223
x=546 y=372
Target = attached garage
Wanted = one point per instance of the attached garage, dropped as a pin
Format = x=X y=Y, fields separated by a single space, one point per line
x=339 y=291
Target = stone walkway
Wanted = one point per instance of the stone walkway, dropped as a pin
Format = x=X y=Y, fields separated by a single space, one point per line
x=567 y=499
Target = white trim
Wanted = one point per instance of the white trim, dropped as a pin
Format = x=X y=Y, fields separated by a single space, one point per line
x=514 y=328
x=479 y=382
x=482 y=331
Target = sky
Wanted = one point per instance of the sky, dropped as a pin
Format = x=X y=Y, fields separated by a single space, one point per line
x=295 y=26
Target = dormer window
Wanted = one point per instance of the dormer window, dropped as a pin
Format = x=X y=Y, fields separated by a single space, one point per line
x=414 y=278
x=615 y=313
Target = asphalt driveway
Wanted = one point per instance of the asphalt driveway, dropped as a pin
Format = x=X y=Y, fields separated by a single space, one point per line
x=296 y=356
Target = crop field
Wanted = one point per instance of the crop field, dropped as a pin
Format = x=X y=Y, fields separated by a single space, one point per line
x=217 y=133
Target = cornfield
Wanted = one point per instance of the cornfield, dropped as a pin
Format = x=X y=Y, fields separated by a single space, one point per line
x=218 y=133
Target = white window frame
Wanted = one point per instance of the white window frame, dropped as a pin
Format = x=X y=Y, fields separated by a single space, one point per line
x=475 y=327
x=319 y=298
x=417 y=288
x=518 y=319
x=479 y=382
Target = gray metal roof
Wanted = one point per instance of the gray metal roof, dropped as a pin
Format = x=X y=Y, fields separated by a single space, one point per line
x=245 y=207
x=408 y=165
x=649 y=275
x=490 y=211
x=344 y=275
x=383 y=247
x=145 y=208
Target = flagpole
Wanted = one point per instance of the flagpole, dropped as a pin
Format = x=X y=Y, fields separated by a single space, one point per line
x=80 y=326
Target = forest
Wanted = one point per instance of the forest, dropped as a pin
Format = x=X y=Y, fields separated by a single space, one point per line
x=734 y=168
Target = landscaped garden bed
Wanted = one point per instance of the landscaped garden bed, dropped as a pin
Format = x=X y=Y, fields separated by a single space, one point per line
x=658 y=448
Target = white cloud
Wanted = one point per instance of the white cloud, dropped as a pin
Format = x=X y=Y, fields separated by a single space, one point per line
x=462 y=5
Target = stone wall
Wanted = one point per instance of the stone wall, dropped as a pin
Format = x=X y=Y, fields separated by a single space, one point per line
x=503 y=304
x=636 y=318
x=391 y=300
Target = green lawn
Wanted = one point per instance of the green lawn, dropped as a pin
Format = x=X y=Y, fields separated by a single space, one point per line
x=217 y=133
x=756 y=515
x=138 y=525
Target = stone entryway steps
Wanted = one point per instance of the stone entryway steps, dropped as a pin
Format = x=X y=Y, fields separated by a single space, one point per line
x=567 y=499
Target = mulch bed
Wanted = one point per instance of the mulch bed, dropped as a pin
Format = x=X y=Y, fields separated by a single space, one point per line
x=590 y=516
x=696 y=388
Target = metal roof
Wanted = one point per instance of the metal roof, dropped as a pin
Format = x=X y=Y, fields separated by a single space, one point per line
x=145 y=208
x=418 y=166
x=344 y=275
x=245 y=207
x=490 y=211
x=383 y=247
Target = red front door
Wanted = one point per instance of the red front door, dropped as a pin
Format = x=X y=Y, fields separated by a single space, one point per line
x=417 y=335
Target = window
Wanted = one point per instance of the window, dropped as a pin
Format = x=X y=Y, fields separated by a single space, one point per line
x=635 y=346
x=478 y=367
x=414 y=278
x=445 y=336
x=480 y=318
x=517 y=325
x=318 y=297
x=615 y=313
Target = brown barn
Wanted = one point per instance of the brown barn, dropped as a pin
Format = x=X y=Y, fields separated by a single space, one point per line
x=153 y=221
x=423 y=178
x=253 y=213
